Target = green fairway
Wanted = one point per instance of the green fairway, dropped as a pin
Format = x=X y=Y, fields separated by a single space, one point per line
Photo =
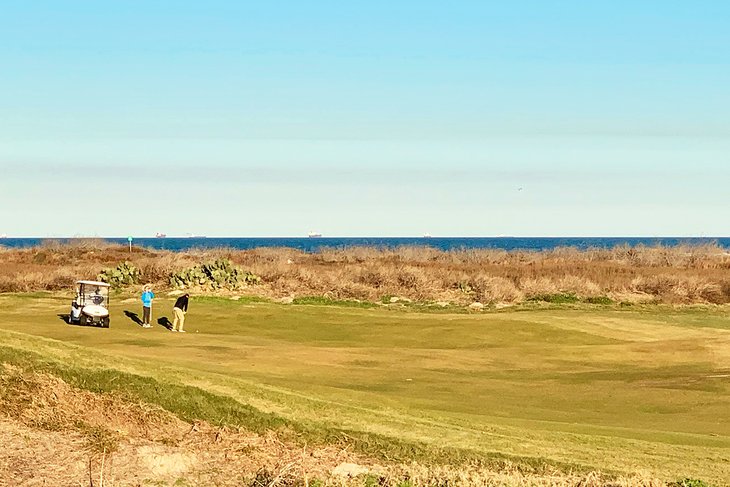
x=620 y=390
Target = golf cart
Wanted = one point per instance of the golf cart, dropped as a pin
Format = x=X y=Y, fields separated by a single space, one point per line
x=91 y=306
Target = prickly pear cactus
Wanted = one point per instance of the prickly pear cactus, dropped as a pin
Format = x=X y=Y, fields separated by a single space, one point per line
x=124 y=274
x=220 y=274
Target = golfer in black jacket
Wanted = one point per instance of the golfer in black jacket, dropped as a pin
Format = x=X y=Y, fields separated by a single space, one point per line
x=179 y=310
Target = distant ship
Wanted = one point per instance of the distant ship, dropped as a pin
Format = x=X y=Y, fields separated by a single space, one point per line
x=4 y=235
x=160 y=235
x=315 y=235
x=427 y=235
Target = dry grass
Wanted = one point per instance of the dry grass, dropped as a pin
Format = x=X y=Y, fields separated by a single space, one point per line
x=47 y=402
x=54 y=434
x=683 y=274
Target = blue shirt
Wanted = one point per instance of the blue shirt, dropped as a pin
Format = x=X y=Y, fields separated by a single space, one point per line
x=147 y=297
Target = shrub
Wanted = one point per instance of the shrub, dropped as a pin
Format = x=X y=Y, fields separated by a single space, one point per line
x=124 y=274
x=541 y=286
x=578 y=285
x=465 y=287
x=559 y=298
x=61 y=279
x=495 y=289
x=220 y=274
x=659 y=285
x=690 y=483
x=408 y=279
x=372 y=277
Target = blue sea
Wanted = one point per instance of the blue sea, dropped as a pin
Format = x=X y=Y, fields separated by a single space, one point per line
x=443 y=243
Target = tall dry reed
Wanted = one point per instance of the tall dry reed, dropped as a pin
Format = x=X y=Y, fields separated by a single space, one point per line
x=682 y=274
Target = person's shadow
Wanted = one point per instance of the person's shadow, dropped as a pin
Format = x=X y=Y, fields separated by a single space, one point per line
x=164 y=321
x=133 y=316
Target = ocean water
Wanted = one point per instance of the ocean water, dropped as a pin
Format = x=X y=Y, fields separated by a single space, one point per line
x=443 y=243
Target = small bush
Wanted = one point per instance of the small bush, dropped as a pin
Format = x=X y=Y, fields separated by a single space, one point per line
x=98 y=439
x=604 y=300
x=125 y=274
x=372 y=277
x=559 y=298
x=263 y=478
x=409 y=278
x=495 y=289
x=465 y=287
x=372 y=480
x=690 y=483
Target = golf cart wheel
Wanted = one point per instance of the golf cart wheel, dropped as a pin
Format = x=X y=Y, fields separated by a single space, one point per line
x=105 y=322
x=82 y=320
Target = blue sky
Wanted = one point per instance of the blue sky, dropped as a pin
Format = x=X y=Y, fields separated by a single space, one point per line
x=471 y=118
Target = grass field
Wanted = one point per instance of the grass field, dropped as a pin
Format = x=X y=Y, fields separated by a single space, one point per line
x=623 y=390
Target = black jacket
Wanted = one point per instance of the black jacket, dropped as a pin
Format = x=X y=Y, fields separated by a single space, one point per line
x=182 y=303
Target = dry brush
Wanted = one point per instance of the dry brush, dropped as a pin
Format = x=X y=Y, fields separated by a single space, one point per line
x=681 y=275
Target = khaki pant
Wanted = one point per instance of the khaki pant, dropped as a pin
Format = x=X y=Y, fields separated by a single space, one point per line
x=179 y=318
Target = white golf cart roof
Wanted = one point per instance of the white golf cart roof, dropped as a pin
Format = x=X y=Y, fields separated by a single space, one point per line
x=93 y=283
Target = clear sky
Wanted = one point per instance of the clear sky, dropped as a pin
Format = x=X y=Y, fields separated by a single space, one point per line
x=380 y=118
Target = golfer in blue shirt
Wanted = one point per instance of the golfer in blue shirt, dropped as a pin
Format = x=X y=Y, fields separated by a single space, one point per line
x=147 y=297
